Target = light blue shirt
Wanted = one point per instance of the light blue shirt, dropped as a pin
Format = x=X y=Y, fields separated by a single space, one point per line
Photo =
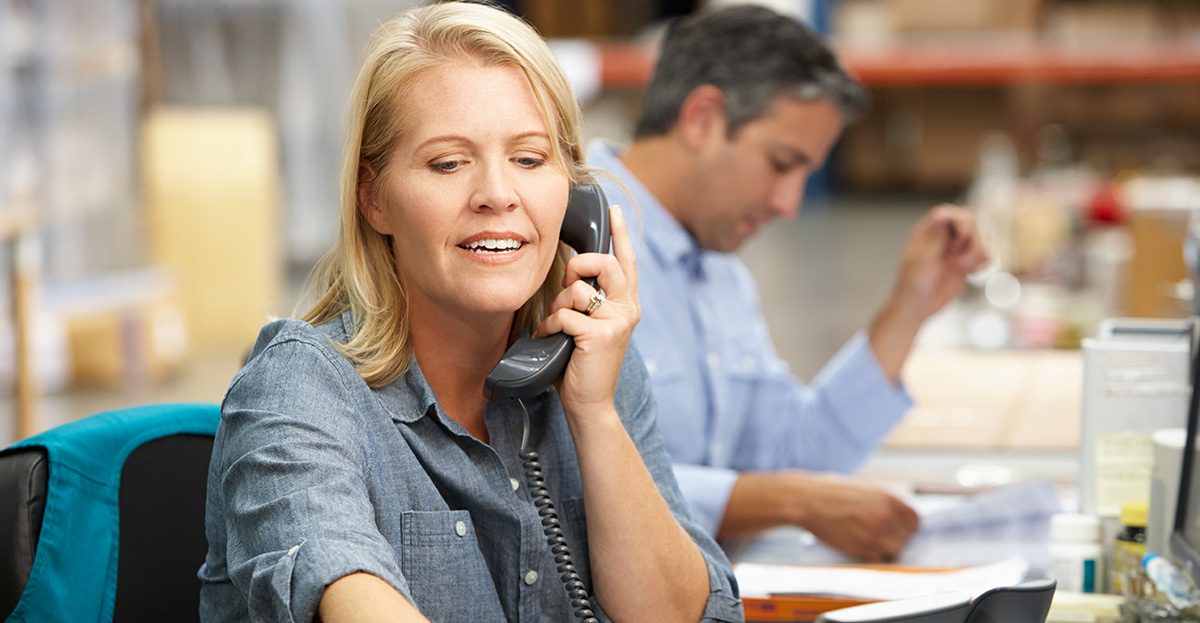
x=726 y=401
x=315 y=475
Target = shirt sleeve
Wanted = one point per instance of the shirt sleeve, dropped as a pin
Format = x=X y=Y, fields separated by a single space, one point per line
x=289 y=459
x=636 y=405
x=707 y=490
x=834 y=424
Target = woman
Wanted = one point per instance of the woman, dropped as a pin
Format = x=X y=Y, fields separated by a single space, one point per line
x=359 y=474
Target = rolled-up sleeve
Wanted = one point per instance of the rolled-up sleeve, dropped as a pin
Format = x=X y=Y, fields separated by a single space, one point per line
x=635 y=403
x=289 y=461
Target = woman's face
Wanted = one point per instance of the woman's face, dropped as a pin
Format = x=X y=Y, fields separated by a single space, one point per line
x=472 y=197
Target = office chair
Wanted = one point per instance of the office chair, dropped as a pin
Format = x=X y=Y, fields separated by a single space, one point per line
x=1027 y=602
x=103 y=519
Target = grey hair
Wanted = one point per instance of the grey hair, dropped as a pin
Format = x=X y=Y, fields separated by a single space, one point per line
x=752 y=54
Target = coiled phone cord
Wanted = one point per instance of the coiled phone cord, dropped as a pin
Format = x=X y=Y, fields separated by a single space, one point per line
x=569 y=576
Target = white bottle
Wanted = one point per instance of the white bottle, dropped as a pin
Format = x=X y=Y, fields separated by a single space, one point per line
x=1076 y=553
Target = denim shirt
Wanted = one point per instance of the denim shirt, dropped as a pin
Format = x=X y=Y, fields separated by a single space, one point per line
x=727 y=402
x=315 y=476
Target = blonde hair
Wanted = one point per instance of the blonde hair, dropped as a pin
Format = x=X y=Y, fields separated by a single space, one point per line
x=359 y=272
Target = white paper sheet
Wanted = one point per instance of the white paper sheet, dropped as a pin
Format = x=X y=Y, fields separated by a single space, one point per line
x=760 y=580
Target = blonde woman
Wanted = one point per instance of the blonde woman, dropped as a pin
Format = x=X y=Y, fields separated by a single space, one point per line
x=359 y=474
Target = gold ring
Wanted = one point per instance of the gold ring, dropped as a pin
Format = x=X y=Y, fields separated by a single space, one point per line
x=594 y=302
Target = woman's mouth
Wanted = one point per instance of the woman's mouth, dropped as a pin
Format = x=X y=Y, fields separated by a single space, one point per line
x=492 y=246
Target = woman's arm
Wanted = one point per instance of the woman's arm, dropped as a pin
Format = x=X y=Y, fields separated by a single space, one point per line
x=644 y=565
x=364 y=598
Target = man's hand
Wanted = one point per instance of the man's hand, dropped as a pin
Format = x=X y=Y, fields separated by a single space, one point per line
x=943 y=249
x=848 y=515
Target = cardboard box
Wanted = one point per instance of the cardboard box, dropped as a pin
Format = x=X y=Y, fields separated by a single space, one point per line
x=920 y=17
x=926 y=139
x=1102 y=23
x=1157 y=263
x=124 y=329
x=212 y=204
x=587 y=18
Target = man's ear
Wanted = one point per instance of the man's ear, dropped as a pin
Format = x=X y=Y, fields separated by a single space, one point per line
x=368 y=198
x=702 y=116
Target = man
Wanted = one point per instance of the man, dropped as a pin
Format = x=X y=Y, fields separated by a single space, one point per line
x=744 y=105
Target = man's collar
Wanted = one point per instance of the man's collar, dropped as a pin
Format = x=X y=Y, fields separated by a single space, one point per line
x=663 y=234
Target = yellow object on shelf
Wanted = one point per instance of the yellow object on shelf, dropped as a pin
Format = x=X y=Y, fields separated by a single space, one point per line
x=211 y=180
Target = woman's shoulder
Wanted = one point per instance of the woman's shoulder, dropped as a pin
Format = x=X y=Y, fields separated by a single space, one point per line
x=298 y=349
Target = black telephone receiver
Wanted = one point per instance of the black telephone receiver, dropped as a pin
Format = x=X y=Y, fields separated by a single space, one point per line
x=530 y=365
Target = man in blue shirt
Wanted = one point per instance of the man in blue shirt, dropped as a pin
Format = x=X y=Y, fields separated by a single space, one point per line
x=744 y=105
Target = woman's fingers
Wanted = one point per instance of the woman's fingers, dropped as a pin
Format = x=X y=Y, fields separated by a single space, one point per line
x=623 y=246
x=616 y=273
x=577 y=296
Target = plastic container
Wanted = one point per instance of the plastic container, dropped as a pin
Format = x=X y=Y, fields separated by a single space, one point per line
x=1128 y=549
x=1076 y=552
x=1170 y=581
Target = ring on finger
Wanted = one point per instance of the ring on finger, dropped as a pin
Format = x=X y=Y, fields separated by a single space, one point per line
x=594 y=302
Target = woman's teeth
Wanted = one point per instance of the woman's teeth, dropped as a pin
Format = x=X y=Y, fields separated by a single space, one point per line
x=492 y=246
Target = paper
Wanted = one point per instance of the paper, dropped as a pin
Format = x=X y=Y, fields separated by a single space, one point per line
x=1002 y=507
x=761 y=580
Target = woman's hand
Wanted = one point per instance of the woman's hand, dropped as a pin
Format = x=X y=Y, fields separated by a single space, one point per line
x=602 y=337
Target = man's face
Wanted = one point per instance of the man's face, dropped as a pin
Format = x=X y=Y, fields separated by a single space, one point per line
x=741 y=183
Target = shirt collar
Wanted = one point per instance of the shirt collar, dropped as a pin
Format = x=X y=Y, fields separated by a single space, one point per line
x=664 y=236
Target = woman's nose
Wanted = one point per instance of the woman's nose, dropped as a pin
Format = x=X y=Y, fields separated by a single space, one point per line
x=495 y=189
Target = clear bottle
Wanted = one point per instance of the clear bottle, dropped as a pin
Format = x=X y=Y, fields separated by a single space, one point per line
x=1170 y=581
x=1128 y=549
x=1076 y=552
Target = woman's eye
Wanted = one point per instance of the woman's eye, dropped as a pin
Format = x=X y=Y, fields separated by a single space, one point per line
x=529 y=162
x=445 y=167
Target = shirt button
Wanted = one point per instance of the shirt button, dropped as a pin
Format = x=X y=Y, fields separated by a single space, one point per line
x=515 y=484
x=460 y=528
x=531 y=577
x=715 y=451
x=713 y=360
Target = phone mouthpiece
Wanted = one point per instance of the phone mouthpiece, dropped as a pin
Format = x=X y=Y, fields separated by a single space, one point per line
x=529 y=367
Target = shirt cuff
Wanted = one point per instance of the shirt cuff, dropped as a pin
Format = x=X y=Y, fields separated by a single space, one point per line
x=856 y=385
x=308 y=569
x=707 y=491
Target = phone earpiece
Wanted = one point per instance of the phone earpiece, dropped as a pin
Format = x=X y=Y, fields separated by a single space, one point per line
x=530 y=365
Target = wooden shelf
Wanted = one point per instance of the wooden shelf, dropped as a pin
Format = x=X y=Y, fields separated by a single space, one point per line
x=629 y=65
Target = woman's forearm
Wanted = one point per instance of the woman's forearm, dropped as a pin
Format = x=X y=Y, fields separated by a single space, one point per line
x=644 y=565
x=364 y=598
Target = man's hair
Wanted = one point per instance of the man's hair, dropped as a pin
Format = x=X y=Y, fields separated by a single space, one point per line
x=753 y=55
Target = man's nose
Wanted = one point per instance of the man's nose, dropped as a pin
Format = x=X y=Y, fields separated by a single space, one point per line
x=787 y=196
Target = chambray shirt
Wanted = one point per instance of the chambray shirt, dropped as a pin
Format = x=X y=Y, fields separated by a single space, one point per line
x=315 y=476
x=726 y=401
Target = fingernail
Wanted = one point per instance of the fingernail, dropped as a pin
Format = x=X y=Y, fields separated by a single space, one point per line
x=615 y=211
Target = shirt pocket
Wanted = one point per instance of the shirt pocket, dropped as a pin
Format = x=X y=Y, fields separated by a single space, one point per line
x=446 y=574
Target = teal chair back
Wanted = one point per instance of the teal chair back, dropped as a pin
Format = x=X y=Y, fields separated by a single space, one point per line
x=103 y=519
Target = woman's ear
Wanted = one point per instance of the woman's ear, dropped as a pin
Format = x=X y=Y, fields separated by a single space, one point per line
x=368 y=198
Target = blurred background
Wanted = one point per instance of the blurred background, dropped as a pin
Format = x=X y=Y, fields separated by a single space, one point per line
x=168 y=177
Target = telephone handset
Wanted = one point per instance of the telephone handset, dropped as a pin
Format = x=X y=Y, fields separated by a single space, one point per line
x=531 y=365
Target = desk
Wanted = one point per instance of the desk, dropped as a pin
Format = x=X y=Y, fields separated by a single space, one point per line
x=996 y=527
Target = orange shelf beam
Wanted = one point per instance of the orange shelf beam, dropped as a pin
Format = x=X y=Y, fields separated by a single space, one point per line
x=629 y=65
